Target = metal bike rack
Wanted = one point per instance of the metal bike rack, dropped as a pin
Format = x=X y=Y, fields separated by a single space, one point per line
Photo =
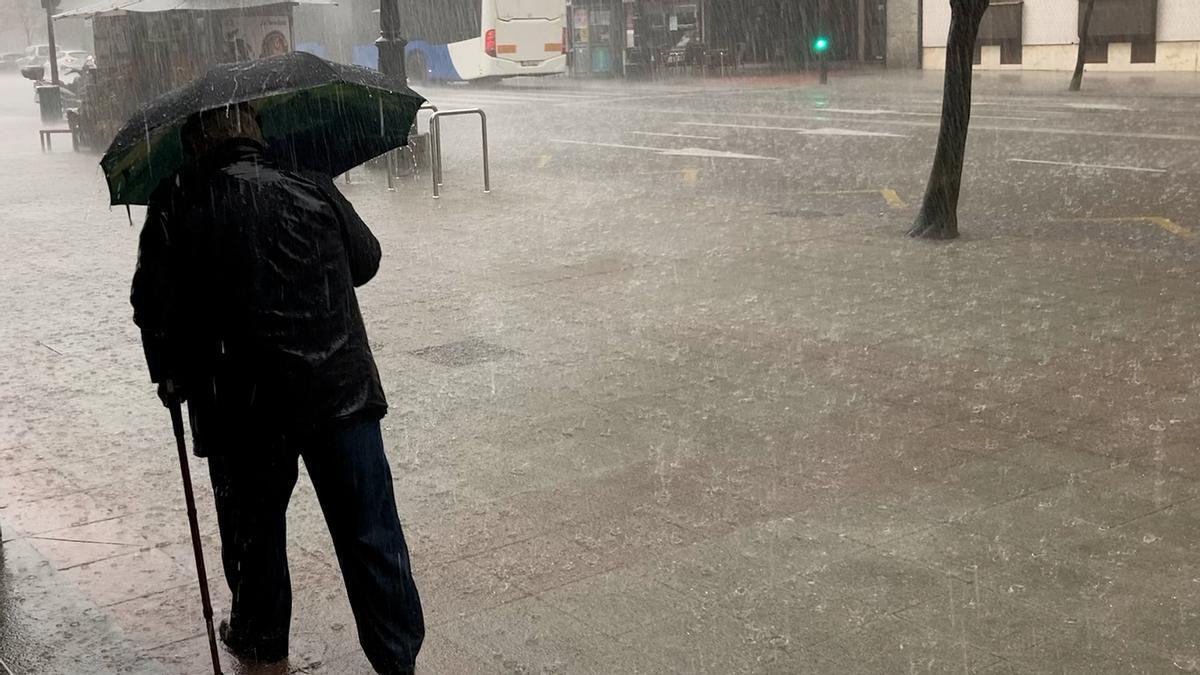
x=426 y=106
x=435 y=146
x=393 y=156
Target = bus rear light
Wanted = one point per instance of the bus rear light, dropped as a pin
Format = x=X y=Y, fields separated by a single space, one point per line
x=489 y=42
x=564 y=40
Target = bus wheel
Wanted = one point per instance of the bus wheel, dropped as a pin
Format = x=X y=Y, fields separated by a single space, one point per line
x=418 y=70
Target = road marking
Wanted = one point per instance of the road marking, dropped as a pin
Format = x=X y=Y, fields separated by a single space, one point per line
x=838 y=192
x=889 y=195
x=879 y=111
x=603 y=145
x=875 y=111
x=1165 y=224
x=823 y=131
x=932 y=125
x=1003 y=117
x=510 y=95
x=715 y=154
x=548 y=92
x=489 y=98
x=473 y=102
x=1098 y=106
x=893 y=200
x=1106 y=167
x=689 y=176
x=652 y=133
x=910 y=113
x=833 y=131
x=542 y=161
x=670 y=152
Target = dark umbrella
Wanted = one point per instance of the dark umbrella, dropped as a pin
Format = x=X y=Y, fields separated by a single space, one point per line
x=318 y=115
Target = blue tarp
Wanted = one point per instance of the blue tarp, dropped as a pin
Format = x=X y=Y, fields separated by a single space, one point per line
x=366 y=55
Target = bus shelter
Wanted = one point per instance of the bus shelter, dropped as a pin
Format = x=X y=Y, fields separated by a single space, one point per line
x=144 y=48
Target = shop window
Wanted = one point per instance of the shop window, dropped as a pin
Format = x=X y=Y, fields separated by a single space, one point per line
x=1002 y=26
x=1144 y=50
x=1095 y=51
x=1121 y=20
x=1132 y=21
x=1010 y=52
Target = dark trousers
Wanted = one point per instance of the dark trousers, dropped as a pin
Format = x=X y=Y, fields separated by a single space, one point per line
x=354 y=487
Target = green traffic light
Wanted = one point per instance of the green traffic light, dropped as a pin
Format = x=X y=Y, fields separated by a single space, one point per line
x=820 y=44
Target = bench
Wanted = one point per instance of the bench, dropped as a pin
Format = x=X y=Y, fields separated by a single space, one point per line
x=45 y=136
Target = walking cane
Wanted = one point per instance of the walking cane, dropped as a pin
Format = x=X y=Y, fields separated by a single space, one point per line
x=197 y=547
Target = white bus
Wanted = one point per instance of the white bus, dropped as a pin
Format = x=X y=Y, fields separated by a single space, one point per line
x=463 y=40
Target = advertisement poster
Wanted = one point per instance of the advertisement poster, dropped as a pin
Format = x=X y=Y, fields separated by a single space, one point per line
x=253 y=37
x=581 y=26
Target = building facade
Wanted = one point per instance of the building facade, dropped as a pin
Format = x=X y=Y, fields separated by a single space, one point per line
x=627 y=37
x=1124 y=35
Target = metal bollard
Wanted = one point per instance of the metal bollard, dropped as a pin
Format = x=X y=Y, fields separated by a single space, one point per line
x=435 y=146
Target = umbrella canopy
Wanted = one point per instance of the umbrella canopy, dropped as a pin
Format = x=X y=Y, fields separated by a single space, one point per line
x=316 y=114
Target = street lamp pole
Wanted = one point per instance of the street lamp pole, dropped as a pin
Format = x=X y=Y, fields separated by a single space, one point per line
x=50 y=6
x=390 y=44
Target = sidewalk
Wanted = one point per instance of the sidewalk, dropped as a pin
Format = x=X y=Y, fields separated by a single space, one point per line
x=47 y=628
x=640 y=427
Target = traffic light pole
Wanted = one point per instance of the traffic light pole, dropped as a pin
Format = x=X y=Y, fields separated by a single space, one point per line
x=390 y=44
x=821 y=44
x=820 y=47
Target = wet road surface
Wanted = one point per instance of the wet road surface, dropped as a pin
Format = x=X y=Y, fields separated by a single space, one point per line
x=678 y=397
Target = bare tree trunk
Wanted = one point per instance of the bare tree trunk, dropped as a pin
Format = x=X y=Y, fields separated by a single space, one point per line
x=1077 y=78
x=938 y=218
x=28 y=11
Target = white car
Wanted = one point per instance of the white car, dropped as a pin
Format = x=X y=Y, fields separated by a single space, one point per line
x=37 y=55
x=74 y=59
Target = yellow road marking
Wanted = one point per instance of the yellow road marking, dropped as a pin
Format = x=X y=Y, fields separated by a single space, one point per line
x=839 y=192
x=690 y=176
x=1165 y=224
x=543 y=161
x=889 y=195
x=893 y=200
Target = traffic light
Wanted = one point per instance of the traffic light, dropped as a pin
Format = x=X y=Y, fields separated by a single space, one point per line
x=820 y=46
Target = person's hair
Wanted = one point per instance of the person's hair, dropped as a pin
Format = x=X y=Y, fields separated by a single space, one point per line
x=203 y=130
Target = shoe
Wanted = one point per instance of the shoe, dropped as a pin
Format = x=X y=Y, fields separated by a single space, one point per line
x=246 y=650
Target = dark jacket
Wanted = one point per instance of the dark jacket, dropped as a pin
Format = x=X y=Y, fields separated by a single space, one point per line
x=244 y=292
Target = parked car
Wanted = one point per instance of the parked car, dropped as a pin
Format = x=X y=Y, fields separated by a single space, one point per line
x=37 y=55
x=75 y=59
x=9 y=61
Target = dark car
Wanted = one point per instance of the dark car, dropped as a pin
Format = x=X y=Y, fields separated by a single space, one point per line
x=8 y=62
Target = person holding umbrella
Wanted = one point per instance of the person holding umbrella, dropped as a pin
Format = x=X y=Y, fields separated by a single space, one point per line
x=244 y=294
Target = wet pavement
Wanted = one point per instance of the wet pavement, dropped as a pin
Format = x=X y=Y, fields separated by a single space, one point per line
x=46 y=630
x=678 y=396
